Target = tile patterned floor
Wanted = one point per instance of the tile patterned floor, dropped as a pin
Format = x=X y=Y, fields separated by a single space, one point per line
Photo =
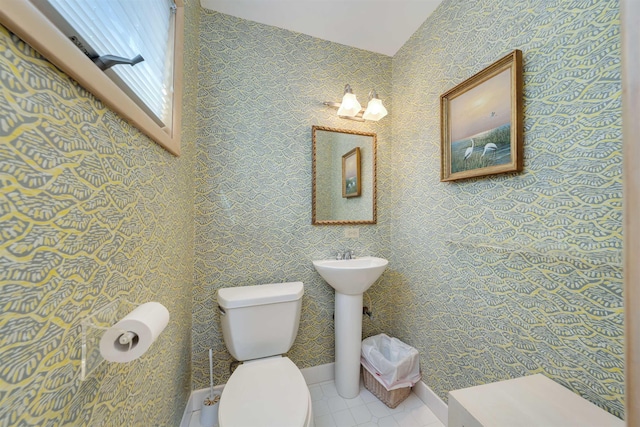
x=331 y=410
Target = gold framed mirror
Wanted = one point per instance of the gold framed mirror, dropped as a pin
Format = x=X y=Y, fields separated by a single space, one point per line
x=344 y=184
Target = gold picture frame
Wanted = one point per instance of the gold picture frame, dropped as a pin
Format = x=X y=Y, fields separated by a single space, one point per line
x=481 y=122
x=327 y=205
x=351 y=179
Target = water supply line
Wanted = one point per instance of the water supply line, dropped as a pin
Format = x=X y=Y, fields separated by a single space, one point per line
x=368 y=310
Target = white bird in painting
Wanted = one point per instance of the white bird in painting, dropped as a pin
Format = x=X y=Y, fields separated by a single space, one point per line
x=490 y=147
x=469 y=150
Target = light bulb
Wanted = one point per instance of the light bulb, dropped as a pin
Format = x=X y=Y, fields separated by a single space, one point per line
x=350 y=105
x=375 y=110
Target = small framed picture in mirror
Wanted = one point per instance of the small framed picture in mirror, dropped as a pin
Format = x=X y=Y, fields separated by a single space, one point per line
x=351 y=183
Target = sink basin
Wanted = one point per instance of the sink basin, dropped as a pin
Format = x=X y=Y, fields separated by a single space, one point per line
x=353 y=276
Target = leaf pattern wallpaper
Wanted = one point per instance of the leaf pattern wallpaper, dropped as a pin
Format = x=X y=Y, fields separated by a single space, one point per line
x=91 y=212
x=489 y=278
x=515 y=274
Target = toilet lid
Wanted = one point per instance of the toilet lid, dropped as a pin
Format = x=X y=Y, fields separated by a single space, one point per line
x=265 y=393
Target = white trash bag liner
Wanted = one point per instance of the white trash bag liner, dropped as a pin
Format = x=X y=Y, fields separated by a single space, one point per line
x=393 y=363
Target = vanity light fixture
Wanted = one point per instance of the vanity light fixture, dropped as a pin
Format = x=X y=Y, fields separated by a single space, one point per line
x=375 y=110
x=350 y=105
x=351 y=109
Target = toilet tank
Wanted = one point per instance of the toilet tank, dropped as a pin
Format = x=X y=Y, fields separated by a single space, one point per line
x=260 y=321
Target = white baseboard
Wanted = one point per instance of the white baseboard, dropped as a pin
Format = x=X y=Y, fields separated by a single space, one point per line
x=186 y=415
x=432 y=400
x=188 y=411
x=195 y=402
x=313 y=375
x=320 y=374
x=198 y=396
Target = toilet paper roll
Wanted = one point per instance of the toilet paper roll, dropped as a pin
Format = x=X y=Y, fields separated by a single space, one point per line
x=132 y=336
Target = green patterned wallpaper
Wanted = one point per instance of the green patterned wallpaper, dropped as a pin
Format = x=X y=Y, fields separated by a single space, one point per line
x=260 y=91
x=91 y=211
x=521 y=273
x=510 y=275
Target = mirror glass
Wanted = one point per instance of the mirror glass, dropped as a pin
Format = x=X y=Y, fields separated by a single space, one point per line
x=344 y=177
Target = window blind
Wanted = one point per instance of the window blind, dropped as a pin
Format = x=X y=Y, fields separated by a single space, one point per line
x=127 y=28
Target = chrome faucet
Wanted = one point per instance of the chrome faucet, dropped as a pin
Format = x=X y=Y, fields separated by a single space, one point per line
x=346 y=254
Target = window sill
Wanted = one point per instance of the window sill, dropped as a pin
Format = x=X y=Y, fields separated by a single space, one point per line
x=28 y=23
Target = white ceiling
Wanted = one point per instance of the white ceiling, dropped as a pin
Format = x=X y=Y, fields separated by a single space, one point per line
x=381 y=26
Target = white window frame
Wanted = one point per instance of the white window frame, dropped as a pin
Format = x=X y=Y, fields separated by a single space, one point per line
x=27 y=22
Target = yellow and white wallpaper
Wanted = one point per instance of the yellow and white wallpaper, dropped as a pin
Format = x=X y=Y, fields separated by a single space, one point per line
x=91 y=211
x=489 y=278
x=260 y=91
x=517 y=274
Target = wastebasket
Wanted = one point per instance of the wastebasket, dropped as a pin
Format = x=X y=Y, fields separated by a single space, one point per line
x=389 y=368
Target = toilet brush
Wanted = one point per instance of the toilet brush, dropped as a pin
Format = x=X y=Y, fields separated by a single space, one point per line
x=211 y=375
x=209 y=411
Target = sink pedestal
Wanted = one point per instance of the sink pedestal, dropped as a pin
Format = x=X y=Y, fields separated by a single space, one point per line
x=350 y=279
x=348 y=330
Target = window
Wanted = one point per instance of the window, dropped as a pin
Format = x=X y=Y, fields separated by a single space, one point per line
x=125 y=29
x=76 y=35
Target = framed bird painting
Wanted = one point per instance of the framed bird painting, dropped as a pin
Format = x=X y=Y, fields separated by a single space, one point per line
x=351 y=182
x=481 y=122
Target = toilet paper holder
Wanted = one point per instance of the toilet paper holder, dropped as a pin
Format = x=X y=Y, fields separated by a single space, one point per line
x=94 y=326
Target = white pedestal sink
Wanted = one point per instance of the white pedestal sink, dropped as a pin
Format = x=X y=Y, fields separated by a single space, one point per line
x=350 y=279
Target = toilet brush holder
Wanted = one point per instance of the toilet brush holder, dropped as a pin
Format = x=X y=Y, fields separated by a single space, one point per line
x=209 y=411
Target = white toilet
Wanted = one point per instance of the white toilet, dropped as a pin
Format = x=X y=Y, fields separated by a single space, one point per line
x=259 y=324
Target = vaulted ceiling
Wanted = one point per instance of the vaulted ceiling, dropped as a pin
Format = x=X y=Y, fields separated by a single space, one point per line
x=381 y=26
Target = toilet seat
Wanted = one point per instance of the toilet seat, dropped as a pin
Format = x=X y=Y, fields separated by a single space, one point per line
x=265 y=393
